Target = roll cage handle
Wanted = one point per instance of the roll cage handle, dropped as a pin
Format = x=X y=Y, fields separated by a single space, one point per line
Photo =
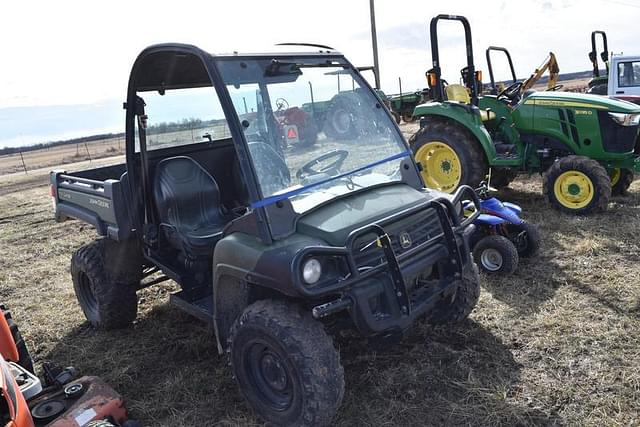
x=494 y=90
x=470 y=82
x=604 y=55
x=458 y=197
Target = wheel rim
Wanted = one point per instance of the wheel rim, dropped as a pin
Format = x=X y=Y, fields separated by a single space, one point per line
x=86 y=294
x=442 y=168
x=574 y=190
x=491 y=259
x=267 y=371
x=614 y=175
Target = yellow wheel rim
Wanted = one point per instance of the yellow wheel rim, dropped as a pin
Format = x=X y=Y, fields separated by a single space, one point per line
x=441 y=167
x=614 y=175
x=574 y=190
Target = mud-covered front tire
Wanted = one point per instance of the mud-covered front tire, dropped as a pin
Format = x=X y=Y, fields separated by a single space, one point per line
x=286 y=365
x=108 y=302
x=577 y=185
x=623 y=179
x=24 y=358
x=450 y=156
x=465 y=300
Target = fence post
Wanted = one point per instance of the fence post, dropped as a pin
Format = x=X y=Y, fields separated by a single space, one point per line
x=23 y=165
x=88 y=153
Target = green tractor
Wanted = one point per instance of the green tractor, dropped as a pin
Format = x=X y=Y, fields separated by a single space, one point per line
x=587 y=146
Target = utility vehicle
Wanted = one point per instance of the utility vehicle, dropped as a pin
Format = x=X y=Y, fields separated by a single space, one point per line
x=60 y=400
x=501 y=236
x=268 y=244
x=578 y=141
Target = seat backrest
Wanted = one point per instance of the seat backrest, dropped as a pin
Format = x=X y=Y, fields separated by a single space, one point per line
x=458 y=93
x=186 y=196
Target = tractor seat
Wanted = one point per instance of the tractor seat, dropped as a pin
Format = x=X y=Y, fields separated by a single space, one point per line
x=487 y=115
x=187 y=198
x=458 y=93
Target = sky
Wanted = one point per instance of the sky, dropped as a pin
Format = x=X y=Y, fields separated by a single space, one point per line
x=65 y=63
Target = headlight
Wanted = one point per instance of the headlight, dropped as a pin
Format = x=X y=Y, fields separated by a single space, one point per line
x=624 y=119
x=311 y=271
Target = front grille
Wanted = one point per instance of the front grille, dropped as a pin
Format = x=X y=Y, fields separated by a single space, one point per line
x=419 y=228
x=616 y=138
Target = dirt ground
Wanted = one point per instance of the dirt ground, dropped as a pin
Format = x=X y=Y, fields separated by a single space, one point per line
x=557 y=343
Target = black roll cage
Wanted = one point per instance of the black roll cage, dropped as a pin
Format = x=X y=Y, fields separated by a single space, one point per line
x=494 y=89
x=604 y=55
x=152 y=74
x=470 y=77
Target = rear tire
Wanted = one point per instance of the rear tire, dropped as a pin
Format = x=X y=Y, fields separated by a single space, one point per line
x=577 y=185
x=622 y=182
x=466 y=298
x=529 y=243
x=108 y=302
x=441 y=136
x=24 y=358
x=285 y=365
x=496 y=255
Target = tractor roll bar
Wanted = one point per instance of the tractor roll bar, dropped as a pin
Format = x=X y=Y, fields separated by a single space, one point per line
x=604 y=55
x=494 y=90
x=435 y=56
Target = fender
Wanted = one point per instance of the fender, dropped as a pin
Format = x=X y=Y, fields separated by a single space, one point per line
x=462 y=116
x=506 y=211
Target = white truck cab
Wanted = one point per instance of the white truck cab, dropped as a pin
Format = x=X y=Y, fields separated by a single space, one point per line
x=624 y=78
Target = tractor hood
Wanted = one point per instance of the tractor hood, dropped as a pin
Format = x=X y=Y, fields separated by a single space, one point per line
x=580 y=100
x=333 y=222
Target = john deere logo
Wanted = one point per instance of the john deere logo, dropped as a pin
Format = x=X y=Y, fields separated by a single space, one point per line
x=405 y=240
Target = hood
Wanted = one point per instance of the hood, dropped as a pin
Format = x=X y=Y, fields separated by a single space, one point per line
x=581 y=100
x=333 y=222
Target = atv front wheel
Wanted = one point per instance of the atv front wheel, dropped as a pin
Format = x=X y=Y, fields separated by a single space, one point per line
x=496 y=254
x=577 y=185
x=463 y=303
x=449 y=156
x=621 y=180
x=106 y=302
x=285 y=365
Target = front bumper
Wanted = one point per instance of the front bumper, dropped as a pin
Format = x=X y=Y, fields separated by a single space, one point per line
x=391 y=296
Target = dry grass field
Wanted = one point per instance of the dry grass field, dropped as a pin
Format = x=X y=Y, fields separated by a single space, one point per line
x=557 y=343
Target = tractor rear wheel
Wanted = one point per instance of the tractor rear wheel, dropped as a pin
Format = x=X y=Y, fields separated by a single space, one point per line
x=621 y=180
x=577 y=185
x=449 y=156
x=107 y=302
x=286 y=365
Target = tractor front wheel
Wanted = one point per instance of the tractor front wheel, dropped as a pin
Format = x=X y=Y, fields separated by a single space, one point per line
x=577 y=185
x=449 y=156
x=286 y=365
x=621 y=180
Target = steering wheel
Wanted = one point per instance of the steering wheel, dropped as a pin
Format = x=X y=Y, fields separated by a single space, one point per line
x=512 y=91
x=327 y=162
x=556 y=87
x=281 y=104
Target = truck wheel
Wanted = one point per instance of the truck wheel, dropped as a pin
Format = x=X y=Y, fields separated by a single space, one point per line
x=24 y=358
x=621 y=180
x=501 y=178
x=466 y=298
x=526 y=239
x=577 y=185
x=496 y=254
x=286 y=365
x=449 y=156
x=107 y=303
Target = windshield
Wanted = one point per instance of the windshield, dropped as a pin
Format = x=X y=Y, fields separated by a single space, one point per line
x=314 y=130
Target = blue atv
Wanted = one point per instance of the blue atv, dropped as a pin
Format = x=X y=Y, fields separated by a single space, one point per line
x=501 y=236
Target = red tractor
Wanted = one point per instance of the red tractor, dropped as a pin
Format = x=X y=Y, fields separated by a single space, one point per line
x=59 y=400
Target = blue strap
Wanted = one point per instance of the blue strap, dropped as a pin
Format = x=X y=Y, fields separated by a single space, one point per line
x=273 y=199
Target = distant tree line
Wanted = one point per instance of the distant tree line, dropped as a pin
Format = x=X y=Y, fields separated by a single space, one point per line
x=41 y=145
x=182 y=125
